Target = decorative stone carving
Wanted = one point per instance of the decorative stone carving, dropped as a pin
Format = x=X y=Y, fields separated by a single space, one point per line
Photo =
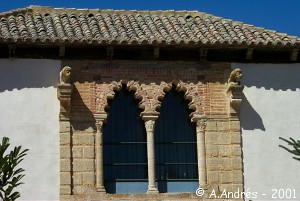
x=235 y=91
x=64 y=91
x=235 y=76
x=104 y=92
x=65 y=75
x=150 y=125
x=201 y=125
x=150 y=95
x=191 y=93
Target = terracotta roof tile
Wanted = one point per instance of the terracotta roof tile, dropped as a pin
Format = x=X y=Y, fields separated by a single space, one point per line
x=49 y=25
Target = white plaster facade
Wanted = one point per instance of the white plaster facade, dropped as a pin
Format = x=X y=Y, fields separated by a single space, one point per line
x=29 y=117
x=270 y=109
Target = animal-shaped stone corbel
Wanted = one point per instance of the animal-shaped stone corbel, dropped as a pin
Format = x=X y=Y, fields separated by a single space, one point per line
x=65 y=75
x=235 y=91
x=64 y=91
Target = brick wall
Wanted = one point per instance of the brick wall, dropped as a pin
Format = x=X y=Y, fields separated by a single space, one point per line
x=204 y=85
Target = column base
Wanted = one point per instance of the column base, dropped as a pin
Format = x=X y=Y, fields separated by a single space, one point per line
x=101 y=189
x=152 y=190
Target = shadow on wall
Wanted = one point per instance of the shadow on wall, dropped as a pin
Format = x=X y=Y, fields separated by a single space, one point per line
x=252 y=120
x=28 y=73
x=82 y=118
x=264 y=83
x=271 y=76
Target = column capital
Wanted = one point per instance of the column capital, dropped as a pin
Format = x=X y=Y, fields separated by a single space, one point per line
x=201 y=125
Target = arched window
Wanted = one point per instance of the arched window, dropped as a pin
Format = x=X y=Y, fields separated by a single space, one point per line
x=124 y=146
x=176 y=149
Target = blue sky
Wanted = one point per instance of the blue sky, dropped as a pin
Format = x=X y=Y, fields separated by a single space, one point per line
x=279 y=15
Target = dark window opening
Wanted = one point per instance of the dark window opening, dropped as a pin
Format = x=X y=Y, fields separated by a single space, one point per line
x=175 y=142
x=124 y=137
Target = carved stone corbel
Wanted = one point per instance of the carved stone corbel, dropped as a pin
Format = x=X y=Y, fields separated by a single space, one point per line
x=235 y=91
x=64 y=91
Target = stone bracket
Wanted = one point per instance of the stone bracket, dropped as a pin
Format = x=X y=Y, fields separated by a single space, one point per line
x=64 y=92
x=235 y=93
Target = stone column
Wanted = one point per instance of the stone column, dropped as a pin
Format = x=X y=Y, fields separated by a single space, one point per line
x=64 y=92
x=150 y=125
x=201 y=155
x=100 y=119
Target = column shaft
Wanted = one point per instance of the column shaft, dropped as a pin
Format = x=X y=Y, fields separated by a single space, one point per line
x=201 y=152
x=99 y=158
x=151 y=156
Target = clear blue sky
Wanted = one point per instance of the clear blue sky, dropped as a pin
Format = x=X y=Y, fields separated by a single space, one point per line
x=279 y=15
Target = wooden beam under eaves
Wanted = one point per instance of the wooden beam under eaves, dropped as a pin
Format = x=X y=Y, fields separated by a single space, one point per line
x=203 y=54
x=109 y=53
x=294 y=55
x=11 y=50
x=62 y=50
x=249 y=54
x=156 y=53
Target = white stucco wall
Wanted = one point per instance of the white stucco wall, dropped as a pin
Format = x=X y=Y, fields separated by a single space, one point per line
x=270 y=109
x=29 y=117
